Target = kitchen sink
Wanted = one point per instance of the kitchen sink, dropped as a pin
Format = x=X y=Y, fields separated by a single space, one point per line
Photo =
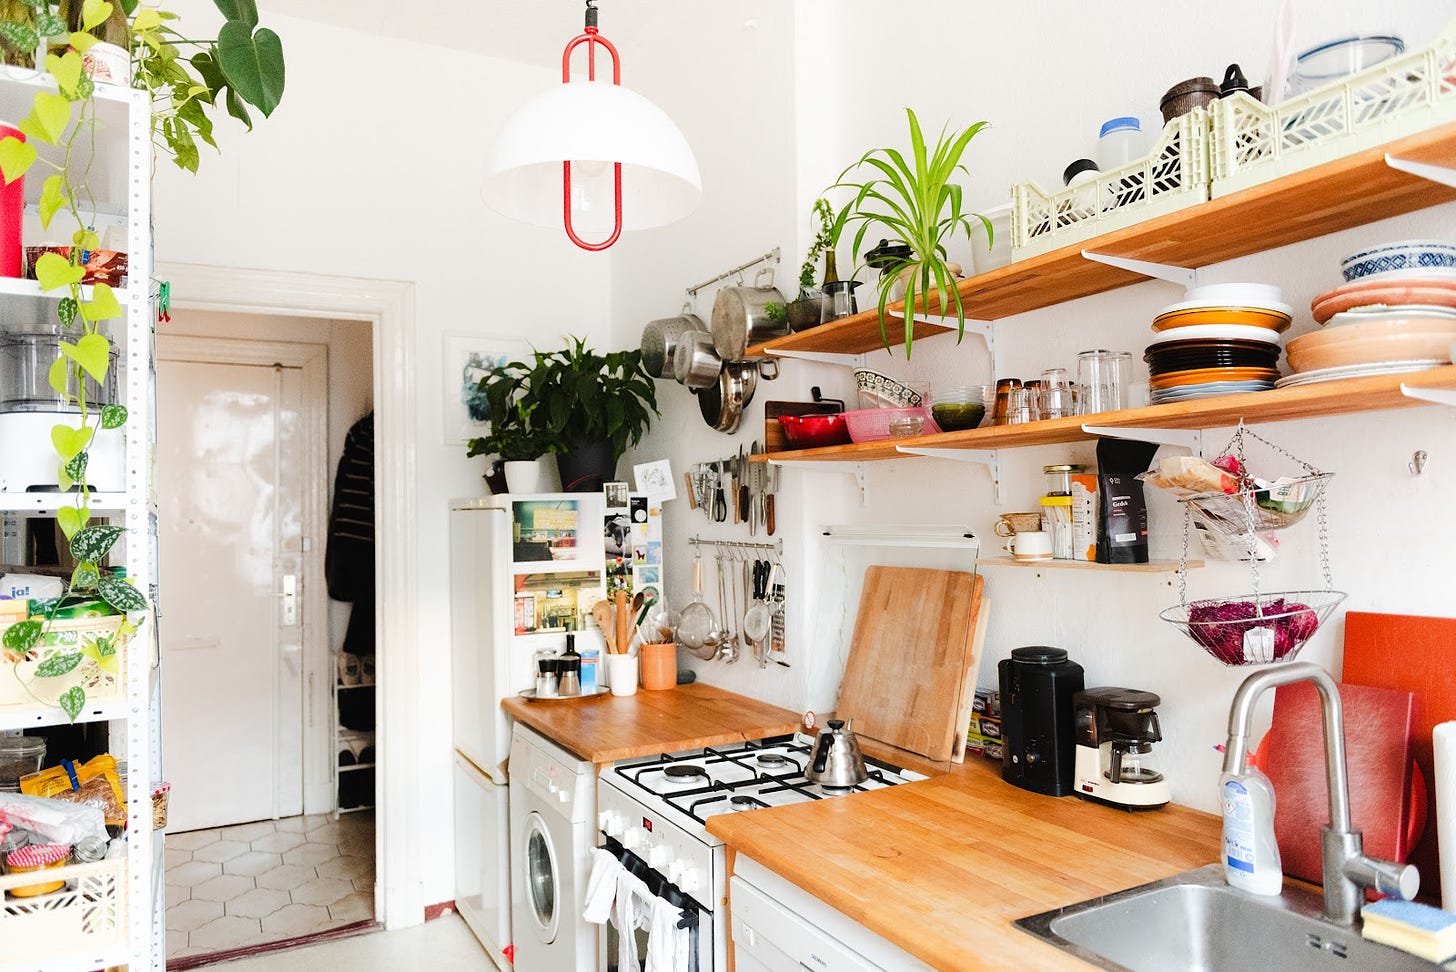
x=1196 y=921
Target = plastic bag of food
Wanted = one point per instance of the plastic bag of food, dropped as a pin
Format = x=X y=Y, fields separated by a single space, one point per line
x=93 y=783
x=53 y=821
x=1190 y=474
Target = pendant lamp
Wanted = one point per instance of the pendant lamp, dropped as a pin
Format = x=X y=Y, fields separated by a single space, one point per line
x=590 y=154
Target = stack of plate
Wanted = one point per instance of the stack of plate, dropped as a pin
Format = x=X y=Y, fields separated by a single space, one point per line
x=1222 y=339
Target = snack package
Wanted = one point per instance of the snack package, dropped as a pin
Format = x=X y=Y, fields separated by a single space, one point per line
x=94 y=783
x=53 y=821
x=1190 y=474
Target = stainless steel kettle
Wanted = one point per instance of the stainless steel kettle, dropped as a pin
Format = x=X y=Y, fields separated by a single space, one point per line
x=836 y=761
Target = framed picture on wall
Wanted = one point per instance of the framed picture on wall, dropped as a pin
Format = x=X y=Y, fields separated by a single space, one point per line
x=469 y=358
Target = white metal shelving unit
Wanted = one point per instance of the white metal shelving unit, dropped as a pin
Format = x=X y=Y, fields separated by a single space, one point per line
x=123 y=897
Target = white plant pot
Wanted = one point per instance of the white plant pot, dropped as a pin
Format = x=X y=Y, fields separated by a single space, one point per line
x=622 y=673
x=523 y=476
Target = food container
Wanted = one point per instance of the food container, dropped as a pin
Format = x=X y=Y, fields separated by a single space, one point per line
x=1119 y=141
x=20 y=756
x=36 y=857
x=874 y=424
x=814 y=431
x=101 y=266
x=1184 y=96
x=25 y=366
x=1341 y=58
x=1059 y=478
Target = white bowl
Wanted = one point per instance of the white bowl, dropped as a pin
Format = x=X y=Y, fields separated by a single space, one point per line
x=1400 y=255
x=1223 y=332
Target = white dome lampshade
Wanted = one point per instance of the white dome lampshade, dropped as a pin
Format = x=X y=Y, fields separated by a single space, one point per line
x=592 y=124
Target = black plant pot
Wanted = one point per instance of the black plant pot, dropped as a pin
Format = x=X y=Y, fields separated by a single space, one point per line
x=586 y=466
x=495 y=476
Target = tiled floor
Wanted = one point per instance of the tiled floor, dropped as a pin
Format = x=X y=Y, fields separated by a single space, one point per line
x=443 y=945
x=266 y=881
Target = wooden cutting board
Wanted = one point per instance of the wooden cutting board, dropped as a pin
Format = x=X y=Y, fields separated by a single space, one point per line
x=913 y=646
x=1379 y=736
x=1413 y=654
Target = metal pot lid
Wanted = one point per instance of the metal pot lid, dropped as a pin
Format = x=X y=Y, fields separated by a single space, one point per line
x=730 y=323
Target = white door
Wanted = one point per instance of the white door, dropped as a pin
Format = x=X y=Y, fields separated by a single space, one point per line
x=229 y=471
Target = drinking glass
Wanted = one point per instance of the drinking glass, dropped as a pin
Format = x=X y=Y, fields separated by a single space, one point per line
x=1095 y=381
x=1056 y=394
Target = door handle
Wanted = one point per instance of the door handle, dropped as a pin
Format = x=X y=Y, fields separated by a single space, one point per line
x=289 y=595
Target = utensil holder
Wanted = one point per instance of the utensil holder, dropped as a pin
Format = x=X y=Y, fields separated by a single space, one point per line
x=622 y=673
x=658 y=664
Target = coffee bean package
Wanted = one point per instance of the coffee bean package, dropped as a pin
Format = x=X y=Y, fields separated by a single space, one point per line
x=1122 y=524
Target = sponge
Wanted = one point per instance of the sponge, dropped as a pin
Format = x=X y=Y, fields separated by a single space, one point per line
x=1421 y=930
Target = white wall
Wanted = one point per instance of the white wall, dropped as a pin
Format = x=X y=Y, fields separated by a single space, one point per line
x=371 y=167
x=1045 y=76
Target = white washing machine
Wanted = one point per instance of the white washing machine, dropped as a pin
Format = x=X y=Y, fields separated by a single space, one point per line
x=553 y=831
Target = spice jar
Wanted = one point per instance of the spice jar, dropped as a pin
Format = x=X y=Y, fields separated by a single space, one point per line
x=1059 y=478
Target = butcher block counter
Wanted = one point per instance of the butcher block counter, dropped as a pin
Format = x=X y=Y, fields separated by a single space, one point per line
x=611 y=727
x=941 y=867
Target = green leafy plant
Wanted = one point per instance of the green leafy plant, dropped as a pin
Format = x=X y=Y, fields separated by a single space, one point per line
x=823 y=239
x=517 y=432
x=774 y=311
x=915 y=201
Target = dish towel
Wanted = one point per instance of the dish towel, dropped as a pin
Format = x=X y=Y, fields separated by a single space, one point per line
x=632 y=913
x=667 y=944
x=601 y=887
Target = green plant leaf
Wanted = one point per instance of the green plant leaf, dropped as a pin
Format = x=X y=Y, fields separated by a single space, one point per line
x=102 y=306
x=52 y=199
x=95 y=542
x=67 y=70
x=72 y=701
x=86 y=239
x=19 y=37
x=70 y=442
x=146 y=20
x=55 y=271
x=120 y=595
x=58 y=665
x=60 y=375
x=16 y=157
x=245 y=11
x=129 y=7
x=22 y=636
x=72 y=518
x=83 y=42
x=49 y=25
x=84 y=578
x=94 y=13
x=252 y=64
x=92 y=351
x=73 y=471
x=66 y=310
x=113 y=416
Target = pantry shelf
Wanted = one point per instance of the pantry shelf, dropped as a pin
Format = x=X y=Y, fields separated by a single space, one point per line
x=1151 y=567
x=1346 y=396
x=38 y=715
x=1351 y=191
x=49 y=502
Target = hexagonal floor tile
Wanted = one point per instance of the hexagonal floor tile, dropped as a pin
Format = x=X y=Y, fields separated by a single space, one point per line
x=176 y=894
x=252 y=863
x=193 y=872
x=278 y=842
x=346 y=867
x=176 y=941
x=230 y=931
x=356 y=847
x=358 y=906
x=310 y=855
x=286 y=877
x=222 y=850
x=192 y=839
x=224 y=887
x=302 y=825
x=296 y=919
x=329 y=833
x=258 y=903
x=322 y=891
x=176 y=856
x=189 y=915
x=249 y=831
x=365 y=883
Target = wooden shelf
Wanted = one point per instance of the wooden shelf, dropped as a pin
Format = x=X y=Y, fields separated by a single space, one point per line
x=1304 y=401
x=1151 y=567
x=1351 y=191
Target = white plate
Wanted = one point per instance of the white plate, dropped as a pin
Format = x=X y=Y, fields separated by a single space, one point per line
x=1221 y=332
x=1391 y=312
x=1204 y=303
x=1409 y=275
x=1360 y=371
x=1204 y=391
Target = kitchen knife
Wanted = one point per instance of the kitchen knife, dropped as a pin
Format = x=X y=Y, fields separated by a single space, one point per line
x=769 y=525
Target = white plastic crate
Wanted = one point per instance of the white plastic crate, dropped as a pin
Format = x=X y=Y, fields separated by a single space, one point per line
x=85 y=920
x=1253 y=143
x=1172 y=177
x=64 y=637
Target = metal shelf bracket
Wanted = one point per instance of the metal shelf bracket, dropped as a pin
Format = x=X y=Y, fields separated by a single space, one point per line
x=1190 y=439
x=1440 y=396
x=823 y=357
x=990 y=458
x=1445 y=175
x=855 y=469
x=1186 y=276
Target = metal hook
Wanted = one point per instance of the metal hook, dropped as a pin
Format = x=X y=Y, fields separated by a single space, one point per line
x=1417 y=465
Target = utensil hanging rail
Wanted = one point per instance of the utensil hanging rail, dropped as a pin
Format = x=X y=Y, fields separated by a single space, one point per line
x=772 y=255
x=739 y=546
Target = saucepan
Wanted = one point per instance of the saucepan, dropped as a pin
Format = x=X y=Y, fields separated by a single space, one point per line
x=723 y=402
x=660 y=339
x=694 y=361
x=740 y=316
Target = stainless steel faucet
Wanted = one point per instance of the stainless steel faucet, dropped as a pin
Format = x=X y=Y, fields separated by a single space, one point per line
x=1346 y=868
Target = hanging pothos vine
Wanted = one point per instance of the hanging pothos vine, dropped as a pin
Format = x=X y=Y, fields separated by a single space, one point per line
x=244 y=66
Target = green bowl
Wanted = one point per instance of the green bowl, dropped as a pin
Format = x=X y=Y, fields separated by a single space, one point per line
x=952 y=417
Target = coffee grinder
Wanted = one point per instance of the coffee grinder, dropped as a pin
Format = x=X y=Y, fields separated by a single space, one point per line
x=1115 y=729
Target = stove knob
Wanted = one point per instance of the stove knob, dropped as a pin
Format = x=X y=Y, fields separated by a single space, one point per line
x=657 y=857
x=633 y=838
x=604 y=822
x=675 y=871
x=689 y=879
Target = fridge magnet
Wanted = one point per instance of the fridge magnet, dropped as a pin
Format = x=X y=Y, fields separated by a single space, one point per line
x=467 y=359
x=616 y=495
x=616 y=534
x=655 y=480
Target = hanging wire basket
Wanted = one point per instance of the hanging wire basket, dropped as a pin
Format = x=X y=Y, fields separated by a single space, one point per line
x=1275 y=507
x=1254 y=629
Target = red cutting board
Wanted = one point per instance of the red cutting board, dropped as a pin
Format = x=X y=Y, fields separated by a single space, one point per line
x=1379 y=727
x=1412 y=654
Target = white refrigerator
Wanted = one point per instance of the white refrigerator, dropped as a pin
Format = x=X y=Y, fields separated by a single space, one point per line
x=523 y=570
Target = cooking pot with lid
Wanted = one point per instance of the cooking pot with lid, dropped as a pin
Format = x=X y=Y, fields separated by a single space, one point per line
x=740 y=316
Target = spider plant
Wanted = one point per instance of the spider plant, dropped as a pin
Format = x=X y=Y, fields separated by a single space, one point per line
x=915 y=200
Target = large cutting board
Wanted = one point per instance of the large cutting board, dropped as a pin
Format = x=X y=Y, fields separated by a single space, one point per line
x=1413 y=654
x=909 y=660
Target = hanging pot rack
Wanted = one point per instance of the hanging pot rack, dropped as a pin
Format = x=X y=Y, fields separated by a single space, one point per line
x=772 y=256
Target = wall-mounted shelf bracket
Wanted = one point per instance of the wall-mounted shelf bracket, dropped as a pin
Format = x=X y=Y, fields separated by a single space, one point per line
x=990 y=458
x=1445 y=175
x=983 y=328
x=823 y=357
x=855 y=469
x=1440 y=396
x=1186 y=276
x=1190 y=439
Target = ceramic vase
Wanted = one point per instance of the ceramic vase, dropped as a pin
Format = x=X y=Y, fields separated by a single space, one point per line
x=523 y=475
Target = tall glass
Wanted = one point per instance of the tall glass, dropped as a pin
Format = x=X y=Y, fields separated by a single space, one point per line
x=1096 y=381
x=1056 y=394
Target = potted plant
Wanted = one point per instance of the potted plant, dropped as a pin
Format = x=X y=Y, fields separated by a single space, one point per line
x=914 y=200
x=517 y=438
x=803 y=311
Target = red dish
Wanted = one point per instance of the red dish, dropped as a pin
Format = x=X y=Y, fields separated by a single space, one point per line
x=814 y=431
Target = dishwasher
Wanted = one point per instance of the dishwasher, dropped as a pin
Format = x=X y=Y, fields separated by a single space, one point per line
x=778 y=927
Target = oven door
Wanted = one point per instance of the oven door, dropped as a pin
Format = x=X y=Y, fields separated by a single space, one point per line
x=698 y=922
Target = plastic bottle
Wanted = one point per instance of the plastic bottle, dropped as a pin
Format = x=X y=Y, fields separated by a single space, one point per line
x=1119 y=142
x=1250 y=852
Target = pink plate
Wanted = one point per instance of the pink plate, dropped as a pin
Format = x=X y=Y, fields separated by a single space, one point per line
x=1441 y=293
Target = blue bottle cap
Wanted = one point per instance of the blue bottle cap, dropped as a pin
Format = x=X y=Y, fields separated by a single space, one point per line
x=1125 y=123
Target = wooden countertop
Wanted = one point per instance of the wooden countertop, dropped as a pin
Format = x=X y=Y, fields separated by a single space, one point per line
x=611 y=727
x=941 y=867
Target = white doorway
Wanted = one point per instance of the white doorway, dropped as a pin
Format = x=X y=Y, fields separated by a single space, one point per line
x=240 y=463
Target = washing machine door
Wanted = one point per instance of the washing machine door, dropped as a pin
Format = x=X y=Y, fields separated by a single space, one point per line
x=539 y=860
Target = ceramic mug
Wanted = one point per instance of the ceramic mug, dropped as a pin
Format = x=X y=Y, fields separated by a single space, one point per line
x=1031 y=545
x=622 y=673
x=1011 y=524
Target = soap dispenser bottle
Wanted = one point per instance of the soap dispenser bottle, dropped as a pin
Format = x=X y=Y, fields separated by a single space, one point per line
x=1250 y=852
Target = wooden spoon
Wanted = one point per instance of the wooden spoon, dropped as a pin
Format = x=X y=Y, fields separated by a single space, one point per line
x=623 y=620
x=602 y=615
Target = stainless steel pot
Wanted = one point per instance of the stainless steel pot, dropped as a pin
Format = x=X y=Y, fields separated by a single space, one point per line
x=694 y=362
x=836 y=760
x=660 y=339
x=722 y=403
x=740 y=318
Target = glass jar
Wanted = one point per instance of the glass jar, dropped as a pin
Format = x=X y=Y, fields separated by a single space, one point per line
x=1056 y=520
x=1059 y=478
x=1002 y=405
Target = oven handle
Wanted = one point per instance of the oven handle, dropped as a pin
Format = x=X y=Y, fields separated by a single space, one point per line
x=660 y=887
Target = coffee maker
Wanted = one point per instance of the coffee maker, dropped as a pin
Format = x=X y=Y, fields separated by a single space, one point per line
x=1037 y=687
x=1115 y=729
